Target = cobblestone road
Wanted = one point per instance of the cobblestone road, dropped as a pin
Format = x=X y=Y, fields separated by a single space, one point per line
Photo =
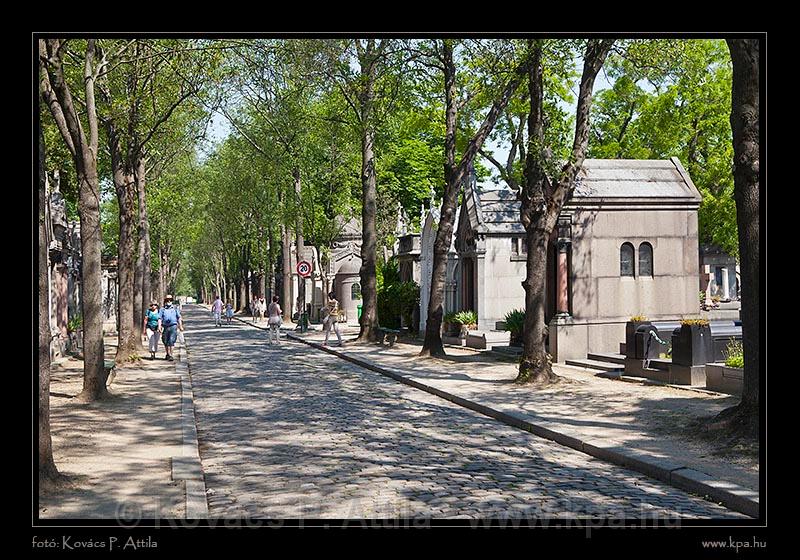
x=291 y=432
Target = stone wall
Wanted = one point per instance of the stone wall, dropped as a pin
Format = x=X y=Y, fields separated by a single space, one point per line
x=602 y=300
x=499 y=284
x=598 y=290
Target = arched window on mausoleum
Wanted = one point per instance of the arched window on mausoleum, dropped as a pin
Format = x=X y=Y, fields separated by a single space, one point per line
x=626 y=266
x=646 y=260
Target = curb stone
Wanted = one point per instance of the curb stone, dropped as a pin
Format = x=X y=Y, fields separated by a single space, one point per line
x=730 y=495
x=645 y=381
x=187 y=466
x=666 y=470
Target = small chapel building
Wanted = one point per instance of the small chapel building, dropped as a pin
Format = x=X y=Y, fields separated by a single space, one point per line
x=626 y=244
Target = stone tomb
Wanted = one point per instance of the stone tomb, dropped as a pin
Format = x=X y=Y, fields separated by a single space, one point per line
x=626 y=244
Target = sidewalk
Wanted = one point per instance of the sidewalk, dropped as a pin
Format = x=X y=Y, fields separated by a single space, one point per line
x=648 y=428
x=117 y=453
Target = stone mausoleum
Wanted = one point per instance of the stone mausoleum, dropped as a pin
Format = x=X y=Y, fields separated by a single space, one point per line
x=719 y=273
x=626 y=244
x=341 y=274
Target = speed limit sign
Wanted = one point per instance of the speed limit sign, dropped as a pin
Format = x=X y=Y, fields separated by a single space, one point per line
x=304 y=269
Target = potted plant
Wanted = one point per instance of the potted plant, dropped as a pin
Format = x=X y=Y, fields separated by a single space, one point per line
x=630 y=334
x=75 y=332
x=451 y=329
x=468 y=321
x=727 y=376
x=692 y=344
x=515 y=321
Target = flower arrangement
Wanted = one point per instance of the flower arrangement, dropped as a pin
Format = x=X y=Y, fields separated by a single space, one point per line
x=734 y=354
x=695 y=322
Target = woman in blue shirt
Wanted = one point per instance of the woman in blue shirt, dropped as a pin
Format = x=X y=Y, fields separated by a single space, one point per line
x=151 y=328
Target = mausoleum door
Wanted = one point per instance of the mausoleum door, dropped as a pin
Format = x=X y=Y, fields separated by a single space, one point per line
x=550 y=279
x=468 y=284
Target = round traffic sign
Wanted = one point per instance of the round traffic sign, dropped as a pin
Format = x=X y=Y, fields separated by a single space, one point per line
x=304 y=269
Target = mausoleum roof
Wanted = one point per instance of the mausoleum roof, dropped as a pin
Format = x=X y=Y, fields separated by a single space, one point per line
x=600 y=183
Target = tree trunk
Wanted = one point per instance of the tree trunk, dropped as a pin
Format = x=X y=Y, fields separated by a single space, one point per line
x=142 y=291
x=262 y=288
x=745 y=54
x=48 y=473
x=138 y=298
x=536 y=364
x=286 y=284
x=162 y=284
x=300 y=242
x=156 y=282
x=125 y=268
x=269 y=265
x=84 y=151
x=543 y=200
x=432 y=344
x=271 y=288
x=241 y=283
x=369 y=283
x=94 y=379
x=454 y=175
x=125 y=185
x=173 y=277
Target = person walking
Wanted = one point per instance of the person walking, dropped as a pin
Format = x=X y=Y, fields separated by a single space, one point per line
x=216 y=311
x=262 y=308
x=254 y=308
x=229 y=312
x=332 y=319
x=170 y=319
x=151 y=327
x=274 y=320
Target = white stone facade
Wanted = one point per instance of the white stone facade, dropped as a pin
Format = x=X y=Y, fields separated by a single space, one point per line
x=452 y=273
x=644 y=203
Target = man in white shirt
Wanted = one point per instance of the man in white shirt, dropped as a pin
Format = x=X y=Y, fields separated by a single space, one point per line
x=216 y=310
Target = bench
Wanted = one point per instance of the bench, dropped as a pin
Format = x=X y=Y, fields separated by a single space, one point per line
x=392 y=334
x=485 y=340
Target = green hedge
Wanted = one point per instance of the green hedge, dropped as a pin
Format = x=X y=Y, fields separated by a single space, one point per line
x=397 y=300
